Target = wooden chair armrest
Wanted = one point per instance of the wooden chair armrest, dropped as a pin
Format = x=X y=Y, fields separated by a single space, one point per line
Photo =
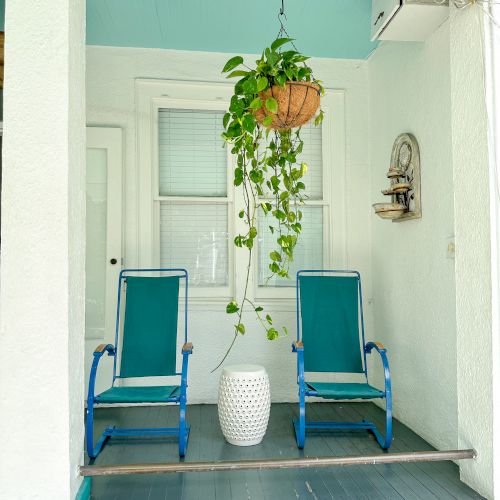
x=375 y=345
x=187 y=347
x=101 y=348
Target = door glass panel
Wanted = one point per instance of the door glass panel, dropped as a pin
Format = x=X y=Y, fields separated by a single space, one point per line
x=95 y=267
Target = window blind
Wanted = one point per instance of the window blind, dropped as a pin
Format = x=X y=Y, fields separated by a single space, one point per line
x=192 y=160
x=308 y=253
x=195 y=237
x=312 y=155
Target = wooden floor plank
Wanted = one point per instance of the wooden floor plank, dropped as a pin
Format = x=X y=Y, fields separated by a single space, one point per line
x=407 y=485
x=341 y=443
x=387 y=484
x=442 y=478
x=395 y=481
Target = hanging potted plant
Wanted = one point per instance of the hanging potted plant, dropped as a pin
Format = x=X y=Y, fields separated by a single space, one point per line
x=270 y=103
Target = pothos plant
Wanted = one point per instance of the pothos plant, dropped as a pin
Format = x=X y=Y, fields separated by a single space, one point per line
x=268 y=168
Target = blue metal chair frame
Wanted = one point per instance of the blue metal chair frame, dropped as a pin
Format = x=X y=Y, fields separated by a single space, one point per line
x=300 y=424
x=182 y=431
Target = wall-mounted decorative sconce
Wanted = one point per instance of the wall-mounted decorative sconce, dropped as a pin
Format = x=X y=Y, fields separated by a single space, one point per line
x=404 y=188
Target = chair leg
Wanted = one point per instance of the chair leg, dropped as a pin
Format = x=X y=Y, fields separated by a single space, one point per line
x=385 y=442
x=183 y=428
x=89 y=431
x=300 y=425
x=388 y=422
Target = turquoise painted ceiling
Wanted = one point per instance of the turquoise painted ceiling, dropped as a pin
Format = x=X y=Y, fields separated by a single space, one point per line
x=322 y=28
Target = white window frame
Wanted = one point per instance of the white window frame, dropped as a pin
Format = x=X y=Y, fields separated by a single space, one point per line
x=152 y=95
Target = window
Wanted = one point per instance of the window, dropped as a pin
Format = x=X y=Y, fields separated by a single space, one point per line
x=193 y=180
x=309 y=252
x=188 y=208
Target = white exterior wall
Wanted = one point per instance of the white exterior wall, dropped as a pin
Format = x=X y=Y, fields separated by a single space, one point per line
x=473 y=240
x=43 y=235
x=110 y=101
x=413 y=280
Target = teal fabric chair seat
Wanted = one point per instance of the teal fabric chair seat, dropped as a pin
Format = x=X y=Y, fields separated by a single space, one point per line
x=146 y=345
x=331 y=339
x=151 y=394
x=334 y=390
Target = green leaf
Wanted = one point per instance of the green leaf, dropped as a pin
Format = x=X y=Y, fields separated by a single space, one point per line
x=256 y=103
x=275 y=256
x=281 y=79
x=232 y=307
x=289 y=73
x=274 y=267
x=279 y=42
x=255 y=176
x=238 y=73
x=279 y=214
x=262 y=83
x=232 y=63
x=250 y=86
x=267 y=121
x=259 y=309
x=303 y=168
x=285 y=329
x=241 y=214
x=272 y=105
x=240 y=327
x=319 y=118
x=226 y=119
x=269 y=319
x=271 y=228
x=272 y=334
x=253 y=232
x=248 y=122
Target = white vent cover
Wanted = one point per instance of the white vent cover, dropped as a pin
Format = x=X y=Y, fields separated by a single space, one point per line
x=407 y=20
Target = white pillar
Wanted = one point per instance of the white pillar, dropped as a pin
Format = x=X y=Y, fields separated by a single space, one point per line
x=43 y=257
x=473 y=247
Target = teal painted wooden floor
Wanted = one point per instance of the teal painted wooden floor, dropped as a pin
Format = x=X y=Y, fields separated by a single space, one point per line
x=409 y=481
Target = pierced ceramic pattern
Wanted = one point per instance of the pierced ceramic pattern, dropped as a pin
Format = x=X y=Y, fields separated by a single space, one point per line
x=244 y=404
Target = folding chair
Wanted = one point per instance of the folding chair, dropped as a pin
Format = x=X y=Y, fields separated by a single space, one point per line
x=331 y=339
x=146 y=348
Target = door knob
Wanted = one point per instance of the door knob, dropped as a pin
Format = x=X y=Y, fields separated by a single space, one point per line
x=113 y=261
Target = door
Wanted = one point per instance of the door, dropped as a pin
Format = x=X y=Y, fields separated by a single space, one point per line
x=103 y=242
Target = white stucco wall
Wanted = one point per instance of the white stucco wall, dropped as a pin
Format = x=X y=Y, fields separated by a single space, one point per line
x=413 y=280
x=43 y=236
x=473 y=240
x=110 y=101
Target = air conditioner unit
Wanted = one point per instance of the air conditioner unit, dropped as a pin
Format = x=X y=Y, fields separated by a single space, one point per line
x=407 y=20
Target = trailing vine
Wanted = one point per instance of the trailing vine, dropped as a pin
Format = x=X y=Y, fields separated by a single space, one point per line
x=268 y=169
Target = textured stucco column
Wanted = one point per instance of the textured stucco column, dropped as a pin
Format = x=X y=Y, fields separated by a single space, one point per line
x=42 y=255
x=473 y=247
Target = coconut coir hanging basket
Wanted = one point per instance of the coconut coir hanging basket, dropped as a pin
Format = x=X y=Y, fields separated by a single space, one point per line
x=297 y=104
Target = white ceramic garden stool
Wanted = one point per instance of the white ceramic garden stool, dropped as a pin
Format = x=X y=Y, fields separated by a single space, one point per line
x=244 y=404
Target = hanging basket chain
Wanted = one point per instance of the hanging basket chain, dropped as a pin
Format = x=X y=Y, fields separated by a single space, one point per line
x=282 y=33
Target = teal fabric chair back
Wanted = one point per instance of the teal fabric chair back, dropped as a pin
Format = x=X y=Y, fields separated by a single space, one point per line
x=150 y=327
x=329 y=322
